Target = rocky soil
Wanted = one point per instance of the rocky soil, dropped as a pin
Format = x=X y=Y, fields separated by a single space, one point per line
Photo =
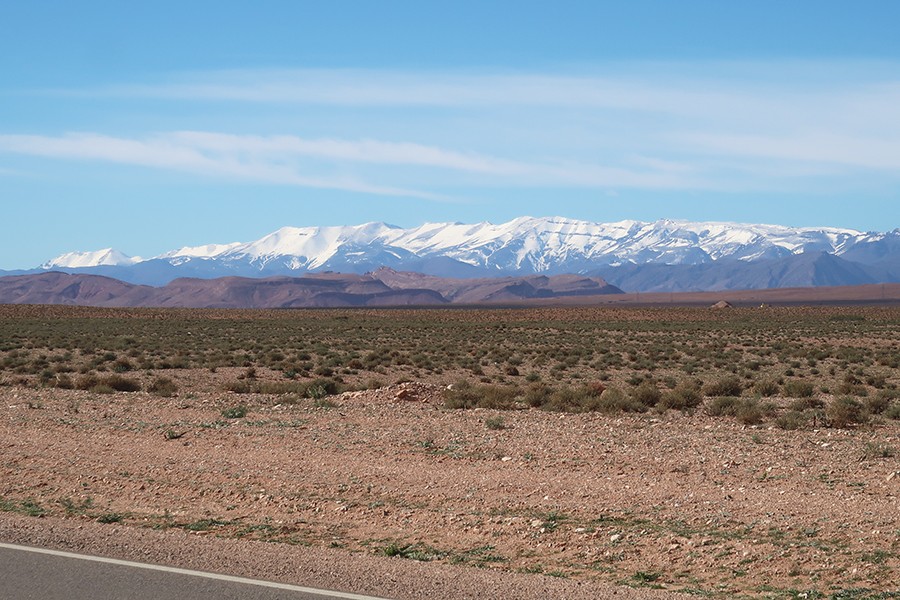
x=391 y=483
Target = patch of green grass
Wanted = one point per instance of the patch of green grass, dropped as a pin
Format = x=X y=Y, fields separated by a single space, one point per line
x=205 y=524
x=873 y=450
x=419 y=552
x=110 y=518
x=235 y=412
x=31 y=508
x=76 y=508
x=878 y=557
x=552 y=520
x=863 y=594
x=478 y=557
x=495 y=423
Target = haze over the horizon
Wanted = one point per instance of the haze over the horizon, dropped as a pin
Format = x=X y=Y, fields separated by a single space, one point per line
x=150 y=127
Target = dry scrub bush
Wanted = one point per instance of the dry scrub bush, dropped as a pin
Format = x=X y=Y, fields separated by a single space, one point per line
x=63 y=382
x=794 y=388
x=766 y=388
x=792 y=420
x=727 y=386
x=748 y=411
x=845 y=411
x=614 y=400
x=685 y=396
x=317 y=388
x=164 y=387
x=107 y=384
x=466 y=395
x=802 y=404
x=646 y=394
x=881 y=401
x=893 y=411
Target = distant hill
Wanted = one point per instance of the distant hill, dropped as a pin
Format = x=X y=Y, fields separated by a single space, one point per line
x=385 y=287
x=811 y=269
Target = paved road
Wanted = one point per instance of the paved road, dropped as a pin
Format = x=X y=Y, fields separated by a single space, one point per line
x=39 y=574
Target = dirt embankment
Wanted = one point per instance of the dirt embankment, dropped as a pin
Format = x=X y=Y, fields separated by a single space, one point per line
x=388 y=492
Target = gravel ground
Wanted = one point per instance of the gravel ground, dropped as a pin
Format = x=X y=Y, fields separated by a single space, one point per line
x=312 y=567
x=386 y=492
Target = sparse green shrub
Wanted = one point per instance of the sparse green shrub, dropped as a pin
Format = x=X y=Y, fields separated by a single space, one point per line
x=107 y=384
x=86 y=382
x=122 y=384
x=110 y=518
x=753 y=412
x=537 y=394
x=31 y=508
x=874 y=450
x=76 y=508
x=494 y=423
x=792 y=420
x=802 y=404
x=728 y=386
x=644 y=578
x=277 y=388
x=748 y=411
x=122 y=365
x=880 y=402
x=321 y=387
x=63 y=382
x=466 y=395
x=419 y=552
x=684 y=396
x=845 y=411
x=766 y=388
x=569 y=399
x=614 y=400
x=646 y=394
x=317 y=388
x=852 y=389
x=795 y=388
x=893 y=411
x=235 y=412
x=724 y=406
x=316 y=392
x=238 y=387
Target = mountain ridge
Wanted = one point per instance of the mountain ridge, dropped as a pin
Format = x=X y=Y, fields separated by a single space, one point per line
x=525 y=246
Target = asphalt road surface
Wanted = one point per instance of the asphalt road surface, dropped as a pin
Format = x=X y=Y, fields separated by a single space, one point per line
x=39 y=574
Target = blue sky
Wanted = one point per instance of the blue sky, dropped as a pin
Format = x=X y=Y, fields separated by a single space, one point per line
x=151 y=127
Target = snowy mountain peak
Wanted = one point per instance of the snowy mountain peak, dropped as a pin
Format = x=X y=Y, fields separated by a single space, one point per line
x=206 y=251
x=104 y=257
x=525 y=245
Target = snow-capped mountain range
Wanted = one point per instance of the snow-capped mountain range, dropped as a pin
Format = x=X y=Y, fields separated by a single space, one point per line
x=525 y=245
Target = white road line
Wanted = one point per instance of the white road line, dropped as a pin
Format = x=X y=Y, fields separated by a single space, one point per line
x=231 y=578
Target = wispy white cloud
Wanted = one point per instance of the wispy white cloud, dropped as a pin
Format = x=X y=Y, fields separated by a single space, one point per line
x=801 y=91
x=278 y=160
x=367 y=150
x=722 y=126
x=875 y=153
x=169 y=152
